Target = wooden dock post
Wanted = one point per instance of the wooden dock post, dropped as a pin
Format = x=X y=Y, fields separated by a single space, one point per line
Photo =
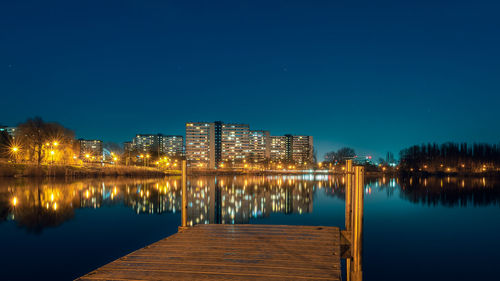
x=352 y=237
x=348 y=195
x=357 y=225
x=184 y=195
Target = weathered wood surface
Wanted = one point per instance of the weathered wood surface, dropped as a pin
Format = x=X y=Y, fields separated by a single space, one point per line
x=233 y=252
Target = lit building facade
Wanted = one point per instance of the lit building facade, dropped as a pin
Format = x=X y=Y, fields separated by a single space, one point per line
x=200 y=144
x=235 y=144
x=172 y=145
x=91 y=148
x=302 y=149
x=259 y=146
x=157 y=144
x=292 y=149
x=214 y=145
x=278 y=148
x=147 y=143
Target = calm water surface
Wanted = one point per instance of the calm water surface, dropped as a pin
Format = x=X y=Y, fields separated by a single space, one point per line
x=414 y=229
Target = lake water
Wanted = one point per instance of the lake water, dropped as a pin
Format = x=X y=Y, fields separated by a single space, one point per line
x=414 y=229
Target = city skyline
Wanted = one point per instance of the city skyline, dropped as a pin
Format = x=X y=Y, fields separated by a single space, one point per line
x=343 y=73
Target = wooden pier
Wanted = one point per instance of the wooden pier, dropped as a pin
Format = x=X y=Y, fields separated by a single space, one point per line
x=250 y=252
x=233 y=252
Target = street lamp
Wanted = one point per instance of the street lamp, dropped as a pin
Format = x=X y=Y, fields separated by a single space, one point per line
x=15 y=149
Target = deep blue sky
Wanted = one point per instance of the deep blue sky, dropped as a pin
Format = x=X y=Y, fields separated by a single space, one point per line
x=374 y=76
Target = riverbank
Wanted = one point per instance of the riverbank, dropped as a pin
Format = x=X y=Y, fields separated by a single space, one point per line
x=80 y=171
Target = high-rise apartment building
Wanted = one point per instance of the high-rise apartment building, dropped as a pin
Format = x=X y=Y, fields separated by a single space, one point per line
x=302 y=149
x=214 y=145
x=278 y=148
x=259 y=146
x=172 y=145
x=289 y=148
x=147 y=143
x=91 y=148
x=158 y=144
x=235 y=143
x=200 y=144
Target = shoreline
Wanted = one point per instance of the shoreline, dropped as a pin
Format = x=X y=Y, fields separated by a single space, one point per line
x=22 y=170
x=11 y=170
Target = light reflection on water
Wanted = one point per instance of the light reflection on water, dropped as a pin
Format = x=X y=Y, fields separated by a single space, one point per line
x=36 y=205
x=111 y=217
x=39 y=204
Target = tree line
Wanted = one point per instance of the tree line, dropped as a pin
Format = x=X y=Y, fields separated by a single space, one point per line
x=451 y=157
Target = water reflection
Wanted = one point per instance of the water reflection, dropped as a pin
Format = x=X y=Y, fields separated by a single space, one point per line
x=451 y=191
x=34 y=205
x=38 y=204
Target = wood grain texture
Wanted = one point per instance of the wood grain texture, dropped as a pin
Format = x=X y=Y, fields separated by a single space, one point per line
x=233 y=252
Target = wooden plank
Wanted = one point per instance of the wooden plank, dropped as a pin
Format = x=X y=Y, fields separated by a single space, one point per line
x=175 y=276
x=236 y=255
x=224 y=269
x=233 y=252
x=248 y=261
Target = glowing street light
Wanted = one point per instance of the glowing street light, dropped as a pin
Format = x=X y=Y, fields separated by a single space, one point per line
x=14 y=150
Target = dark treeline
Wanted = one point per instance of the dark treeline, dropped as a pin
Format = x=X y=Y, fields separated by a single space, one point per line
x=451 y=157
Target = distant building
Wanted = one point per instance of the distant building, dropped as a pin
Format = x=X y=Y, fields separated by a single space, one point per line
x=302 y=149
x=147 y=143
x=259 y=146
x=234 y=144
x=172 y=145
x=278 y=148
x=92 y=148
x=200 y=144
x=216 y=144
x=157 y=144
x=292 y=149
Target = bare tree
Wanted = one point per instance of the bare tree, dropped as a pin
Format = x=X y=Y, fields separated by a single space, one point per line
x=36 y=137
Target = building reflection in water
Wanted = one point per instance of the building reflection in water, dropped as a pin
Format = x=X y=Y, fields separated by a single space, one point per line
x=35 y=205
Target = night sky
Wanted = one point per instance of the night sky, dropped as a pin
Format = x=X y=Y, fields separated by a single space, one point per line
x=374 y=76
